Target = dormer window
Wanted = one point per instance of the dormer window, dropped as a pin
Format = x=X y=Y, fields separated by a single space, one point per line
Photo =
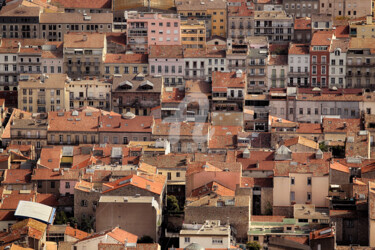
x=146 y=85
x=126 y=85
x=337 y=52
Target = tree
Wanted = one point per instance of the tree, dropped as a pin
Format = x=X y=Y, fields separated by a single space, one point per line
x=61 y=218
x=172 y=204
x=145 y=239
x=268 y=209
x=253 y=245
x=323 y=147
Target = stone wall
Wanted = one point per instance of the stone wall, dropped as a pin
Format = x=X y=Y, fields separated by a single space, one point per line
x=239 y=217
x=286 y=211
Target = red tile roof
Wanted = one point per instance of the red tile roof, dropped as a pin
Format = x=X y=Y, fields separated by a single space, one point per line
x=50 y=174
x=339 y=167
x=321 y=38
x=342 y=31
x=10 y=201
x=302 y=23
x=212 y=187
x=320 y=234
x=309 y=128
x=258 y=161
x=17 y=176
x=228 y=80
x=166 y=51
x=152 y=183
x=83 y=4
x=299 y=49
x=126 y=58
x=65 y=121
x=116 y=233
x=75 y=233
x=336 y=125
x=172 y=95
x=50 y=157
x=138 y=124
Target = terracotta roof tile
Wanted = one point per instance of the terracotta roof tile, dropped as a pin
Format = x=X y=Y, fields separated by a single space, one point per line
x=126 y=58
x=50 y=157
x=75 y=233
x=17 y=176
x=166 y=51
x=50 y=174
x=139 y=124
x=339 y=167
x=228 y=80
x=66 y=121
x=212 y=187
x=302 y=23
x=78 y=40
x=181 y=129
x=265 y=218
x=303 y=141
x=153 y=183
x=322 y=38
x=258 y=161
x=84 y=4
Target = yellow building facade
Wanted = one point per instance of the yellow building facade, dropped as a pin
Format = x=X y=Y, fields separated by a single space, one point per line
x=193 y=34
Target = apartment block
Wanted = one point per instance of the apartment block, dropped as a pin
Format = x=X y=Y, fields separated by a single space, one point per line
x=348 y=8
x=93 y=93
x=193 y=34
x=167 y=61
x=53 y=26
x=43 y=93
x=215 y=11
x=338 y=55
x=298 y=8
x=145 y=29
x=18 y=21
x=84 y=54
x=119 y=64
x=240 y=20
x=277 y=26
x=319 y=58
x=299 y=65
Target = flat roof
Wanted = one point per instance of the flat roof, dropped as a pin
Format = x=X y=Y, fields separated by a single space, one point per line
x=37 y=211
x=126 y=199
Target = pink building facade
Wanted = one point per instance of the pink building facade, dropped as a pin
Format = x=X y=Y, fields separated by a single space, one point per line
x=148 y=29
x=167 y=61
x=67 y=187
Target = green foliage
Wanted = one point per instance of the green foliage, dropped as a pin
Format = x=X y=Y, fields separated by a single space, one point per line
x=86 y=225
x=61 y=218
x=268 y=209
x=253 y=245
x=145 y=239
x=172 y=204
x=323 y=147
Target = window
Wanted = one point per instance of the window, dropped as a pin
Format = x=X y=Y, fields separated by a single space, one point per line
x=52 y=184
x=292 y=180
x=40 y=184
x=187 y=239
x=309 y=181
x=292 y=196
x=83 y=203
x=169 y=176
x=309 y=196
x=67 y=184
x=217 y=241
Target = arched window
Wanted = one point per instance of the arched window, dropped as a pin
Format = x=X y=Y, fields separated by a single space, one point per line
x=337 y=52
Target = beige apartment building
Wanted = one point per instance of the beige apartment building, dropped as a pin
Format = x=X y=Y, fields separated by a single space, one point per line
x=362 y=28
x=193 y=33
x=93 y=93
x=43 y=93
x=240 y=20
x=359 y=63
x=346 y=8
x=215 y=10
x=277 y=26
x=125 y=64
x=84 y=54
x=53 y=26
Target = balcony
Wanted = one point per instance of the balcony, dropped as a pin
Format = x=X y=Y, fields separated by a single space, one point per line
x=43 y=137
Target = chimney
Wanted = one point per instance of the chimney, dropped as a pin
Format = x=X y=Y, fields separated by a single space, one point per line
x=84 y=37
x=368 y=19
x=238 y=73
